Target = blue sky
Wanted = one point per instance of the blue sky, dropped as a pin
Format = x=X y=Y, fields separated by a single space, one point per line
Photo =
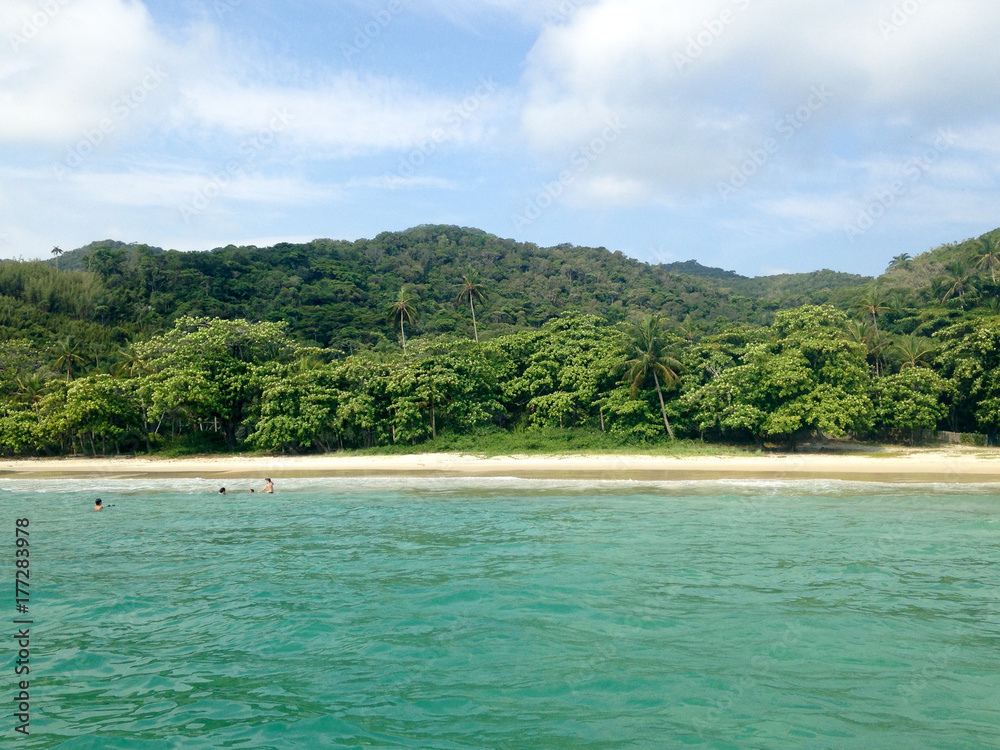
x=756 y=135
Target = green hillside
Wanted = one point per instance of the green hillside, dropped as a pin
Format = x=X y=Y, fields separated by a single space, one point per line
x=335 y=293
x=336 y=344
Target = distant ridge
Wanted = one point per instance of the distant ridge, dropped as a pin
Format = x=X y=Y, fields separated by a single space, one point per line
x=694 y=268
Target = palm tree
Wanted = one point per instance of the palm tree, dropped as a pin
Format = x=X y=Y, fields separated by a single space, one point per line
x=650 y=357
x=990 y=258
x=128 y=362
x=402 y=309
x=958 y=281
x=56 y=252
x=900 y=261
x=66 y=355
x=472 y=290
x=31 y=389
x=916 y=351
x=873 y=302
x=874 y=341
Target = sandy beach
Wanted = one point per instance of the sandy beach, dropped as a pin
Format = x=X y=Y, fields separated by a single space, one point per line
x=927 y=465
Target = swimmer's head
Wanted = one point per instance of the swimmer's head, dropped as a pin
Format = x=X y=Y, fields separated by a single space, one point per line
x=222 y=490
x=98 y=501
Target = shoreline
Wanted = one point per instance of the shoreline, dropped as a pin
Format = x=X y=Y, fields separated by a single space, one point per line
x=914 y=466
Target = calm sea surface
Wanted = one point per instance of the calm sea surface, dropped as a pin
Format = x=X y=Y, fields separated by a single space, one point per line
x=506 y=614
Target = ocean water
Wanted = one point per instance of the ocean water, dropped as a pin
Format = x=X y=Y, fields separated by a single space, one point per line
x=453 y=614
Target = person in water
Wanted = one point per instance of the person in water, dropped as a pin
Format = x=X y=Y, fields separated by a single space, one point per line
x=252 y=490
x=97 y=505
x=268 y=486
x=222 y=490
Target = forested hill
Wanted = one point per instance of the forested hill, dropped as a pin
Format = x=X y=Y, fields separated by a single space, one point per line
x=336 y=293
x=302 y=347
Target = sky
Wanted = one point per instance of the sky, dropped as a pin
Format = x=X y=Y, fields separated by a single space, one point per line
x=761 y=136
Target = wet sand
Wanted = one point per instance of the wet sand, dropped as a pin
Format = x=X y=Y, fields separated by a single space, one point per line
x=927 y=465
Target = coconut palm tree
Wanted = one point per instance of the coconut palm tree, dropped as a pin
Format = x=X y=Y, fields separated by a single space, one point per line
x=916 y=351
x=472 y=290
x=402 y=310
x=873 y=302
x=958 y=282
x=990 y=258
x=56 y=252
x=649 y=356
x=67 y=355
x=875 y=341
x=129 y=363
x=900 y=261
x=31 y=389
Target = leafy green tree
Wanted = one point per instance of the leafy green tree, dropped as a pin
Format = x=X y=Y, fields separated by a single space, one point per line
x=629 y=417
x=649 y=357
x=806 y=375
x=555 y=377
x=909 y=400
x=449 y=383
x=204 y=370
x=297 y=407
x=472 y=290
x=970 y=358
x=101 y=409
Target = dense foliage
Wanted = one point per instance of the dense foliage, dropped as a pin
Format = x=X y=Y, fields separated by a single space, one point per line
x=444 y=331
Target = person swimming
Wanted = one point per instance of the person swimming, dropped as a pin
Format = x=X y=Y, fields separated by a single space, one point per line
x=222 y=490
x=268 y=486
x=97 y=505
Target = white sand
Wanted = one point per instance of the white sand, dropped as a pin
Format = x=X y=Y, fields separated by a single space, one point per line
x=952 y=465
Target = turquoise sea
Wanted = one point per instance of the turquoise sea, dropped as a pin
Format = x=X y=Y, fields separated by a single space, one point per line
x=458 y=613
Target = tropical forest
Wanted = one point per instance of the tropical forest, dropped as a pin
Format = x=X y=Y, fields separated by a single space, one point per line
x=441 y=337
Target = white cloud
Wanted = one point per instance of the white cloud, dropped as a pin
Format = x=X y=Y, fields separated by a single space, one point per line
x=532 y=12
x=699 y=85
x=69 y=65
x=103 y=64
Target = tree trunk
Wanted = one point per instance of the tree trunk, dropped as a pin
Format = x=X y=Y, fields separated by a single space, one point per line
x=475 y=331
x=602 y=420
x=402 y=332
x=434 y=433
x=663 y=406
